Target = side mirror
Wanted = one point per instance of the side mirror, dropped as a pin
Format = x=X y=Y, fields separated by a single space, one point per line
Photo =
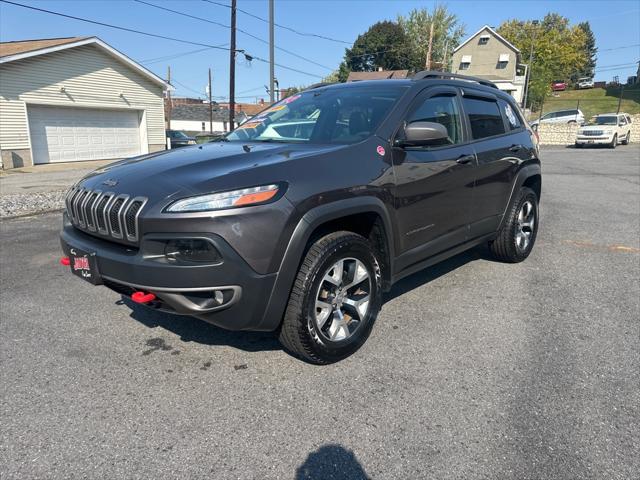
x=424 y=133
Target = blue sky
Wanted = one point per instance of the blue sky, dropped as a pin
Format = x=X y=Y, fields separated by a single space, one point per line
x=615 y=24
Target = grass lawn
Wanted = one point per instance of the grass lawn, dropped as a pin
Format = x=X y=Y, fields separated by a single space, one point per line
x=594 y=101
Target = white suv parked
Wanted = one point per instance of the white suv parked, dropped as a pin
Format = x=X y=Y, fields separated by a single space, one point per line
x=605 y=129
x=561 y=116
x=585 y=82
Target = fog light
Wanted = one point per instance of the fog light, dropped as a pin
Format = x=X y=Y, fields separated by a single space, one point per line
x=218 y=296
x=192 y=250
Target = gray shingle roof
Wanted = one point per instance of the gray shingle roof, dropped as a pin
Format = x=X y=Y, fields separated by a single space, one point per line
x=200 y=113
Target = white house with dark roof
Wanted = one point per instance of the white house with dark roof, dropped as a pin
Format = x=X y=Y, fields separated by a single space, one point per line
x=74 y=99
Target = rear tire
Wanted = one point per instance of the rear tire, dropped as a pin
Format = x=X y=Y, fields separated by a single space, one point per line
x=614 y=142
x=334 y=301
x=517 y=236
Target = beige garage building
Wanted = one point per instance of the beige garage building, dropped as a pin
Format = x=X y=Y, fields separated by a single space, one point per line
x=75 y=99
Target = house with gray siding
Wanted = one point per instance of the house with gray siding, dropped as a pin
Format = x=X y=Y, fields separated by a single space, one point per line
x=75 y=99
x=488 y=55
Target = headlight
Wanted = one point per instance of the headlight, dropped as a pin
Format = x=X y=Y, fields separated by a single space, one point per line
x=223 y=200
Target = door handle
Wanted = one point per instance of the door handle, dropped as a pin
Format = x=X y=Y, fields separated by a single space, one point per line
x=515 y=148
x=464 y=159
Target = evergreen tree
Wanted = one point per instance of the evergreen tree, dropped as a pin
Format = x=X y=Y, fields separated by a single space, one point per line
x=590 y=52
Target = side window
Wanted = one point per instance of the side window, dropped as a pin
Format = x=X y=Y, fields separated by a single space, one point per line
x=484 y=117
x=622 y=120
x=442 y=109
x=513 y=117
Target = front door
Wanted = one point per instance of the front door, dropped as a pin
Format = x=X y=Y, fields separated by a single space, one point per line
x=434 y=184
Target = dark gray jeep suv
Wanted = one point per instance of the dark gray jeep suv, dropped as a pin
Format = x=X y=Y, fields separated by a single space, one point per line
x=300 y=219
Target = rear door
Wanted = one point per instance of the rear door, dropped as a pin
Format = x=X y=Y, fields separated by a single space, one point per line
x=500 y=143
x=434 y=184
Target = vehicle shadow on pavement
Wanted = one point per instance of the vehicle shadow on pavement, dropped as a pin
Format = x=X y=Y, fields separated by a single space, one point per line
x=427 y=275
x=190 y=329
x=331 y=461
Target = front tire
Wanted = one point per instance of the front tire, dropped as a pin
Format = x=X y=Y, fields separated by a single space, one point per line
x=334 y=301
x=517 y=236
x=614 y=142
x=627 y=138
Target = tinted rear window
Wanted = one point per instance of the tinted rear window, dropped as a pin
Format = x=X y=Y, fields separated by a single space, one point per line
x=484 y=117
x=511 y=114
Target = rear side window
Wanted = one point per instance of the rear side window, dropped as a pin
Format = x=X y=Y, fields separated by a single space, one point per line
x=484 y=117
x=512 y=116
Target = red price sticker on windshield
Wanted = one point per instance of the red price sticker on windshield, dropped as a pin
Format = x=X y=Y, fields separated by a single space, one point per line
x=291 y=99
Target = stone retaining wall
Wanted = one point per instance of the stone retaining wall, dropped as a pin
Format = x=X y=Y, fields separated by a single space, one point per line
x=565 y=134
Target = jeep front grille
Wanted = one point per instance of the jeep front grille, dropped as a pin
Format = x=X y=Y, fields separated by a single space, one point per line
x=592 y=133
x=105 y=213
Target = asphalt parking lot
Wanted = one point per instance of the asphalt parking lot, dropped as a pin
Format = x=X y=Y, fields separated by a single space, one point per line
x=475 y=369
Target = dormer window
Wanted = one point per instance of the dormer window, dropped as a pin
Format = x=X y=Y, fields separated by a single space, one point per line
x=484 y=39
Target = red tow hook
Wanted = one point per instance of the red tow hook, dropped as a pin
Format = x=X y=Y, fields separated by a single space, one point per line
x=142 y=297
x=66 y=261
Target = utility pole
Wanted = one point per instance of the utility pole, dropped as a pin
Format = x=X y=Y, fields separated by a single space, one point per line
x=528 y=79
x=210 y=105
x=232 y=68
x=428 y=60
x=271 y=52
x=169 y=105
x=620 y=98
x=445 y=67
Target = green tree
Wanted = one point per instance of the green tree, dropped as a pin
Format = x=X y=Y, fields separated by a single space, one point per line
x=447 y=33
x=384 y=45
x=558 y=51
x=590 y=52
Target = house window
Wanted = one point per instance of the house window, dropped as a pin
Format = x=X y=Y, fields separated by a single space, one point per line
x=203 y=126
x=503 y=60
x=465 y=62
x=484 y=39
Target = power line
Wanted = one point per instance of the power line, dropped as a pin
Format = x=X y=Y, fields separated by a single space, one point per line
x=173 y=79
x=117 y=27
x=171 y=57
x=619 y=48
x=284 y=27
x=238 y=29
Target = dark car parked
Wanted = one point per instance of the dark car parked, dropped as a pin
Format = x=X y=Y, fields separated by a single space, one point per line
x=180 y=139
x=301 y=218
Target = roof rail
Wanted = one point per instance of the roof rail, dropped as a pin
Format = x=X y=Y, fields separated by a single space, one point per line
x=424 y=74
x=318 y=85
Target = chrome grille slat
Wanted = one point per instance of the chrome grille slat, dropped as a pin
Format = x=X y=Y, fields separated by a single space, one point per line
x=114 y=215
x=87 y=209
x=105 y=213
x=78 y=207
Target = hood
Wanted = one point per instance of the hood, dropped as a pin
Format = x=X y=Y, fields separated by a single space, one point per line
x=597 y=127
x=193 y=170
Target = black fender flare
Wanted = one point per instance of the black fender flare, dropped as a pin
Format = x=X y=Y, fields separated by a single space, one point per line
x=527 y=171
x=298 y=243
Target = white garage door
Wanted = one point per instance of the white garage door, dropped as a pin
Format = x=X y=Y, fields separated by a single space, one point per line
x=61 y=134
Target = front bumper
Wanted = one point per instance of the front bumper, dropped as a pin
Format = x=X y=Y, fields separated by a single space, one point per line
x=182 y=289
x=601 y=140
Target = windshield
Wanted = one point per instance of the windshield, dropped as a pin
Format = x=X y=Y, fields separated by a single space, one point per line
x=604 y=121
x=175 y=134
x=340 y=115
